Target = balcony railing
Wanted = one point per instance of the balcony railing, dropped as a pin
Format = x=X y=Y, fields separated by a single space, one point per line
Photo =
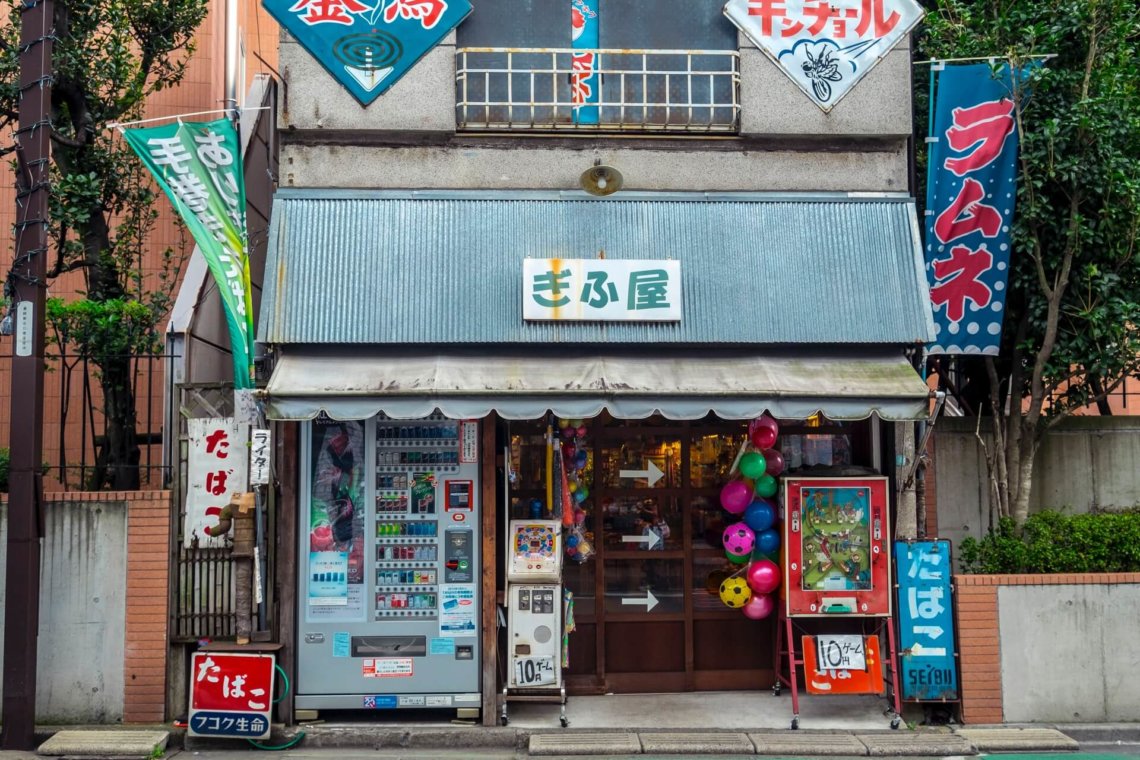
x=504 y=89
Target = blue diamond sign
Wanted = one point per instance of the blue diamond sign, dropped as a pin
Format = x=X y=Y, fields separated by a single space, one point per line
x=367 y=45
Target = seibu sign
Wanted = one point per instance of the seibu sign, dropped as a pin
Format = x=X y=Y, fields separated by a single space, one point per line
x=616 y=290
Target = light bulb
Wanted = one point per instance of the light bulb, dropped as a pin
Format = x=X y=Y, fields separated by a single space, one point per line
x=601 y=183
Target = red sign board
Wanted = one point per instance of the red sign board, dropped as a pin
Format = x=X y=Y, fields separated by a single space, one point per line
x=828 y=680
x=231 y=694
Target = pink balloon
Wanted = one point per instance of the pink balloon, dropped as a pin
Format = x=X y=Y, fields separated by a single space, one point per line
x=762 y=431
x=736 y=496
x=763 y=576
x=775 y=461
x=759 y=607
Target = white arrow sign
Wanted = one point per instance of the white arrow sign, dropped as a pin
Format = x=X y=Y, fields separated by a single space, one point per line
x=650 y=601
x=933 y=631
x=651 y=473
x=917 y=651
x=653 y=539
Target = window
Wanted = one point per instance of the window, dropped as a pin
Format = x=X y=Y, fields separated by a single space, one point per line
x=666 y=65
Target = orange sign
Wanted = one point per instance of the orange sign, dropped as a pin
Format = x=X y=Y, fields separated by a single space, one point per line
x=840 y=681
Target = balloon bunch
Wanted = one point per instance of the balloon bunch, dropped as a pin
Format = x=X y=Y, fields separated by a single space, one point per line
x=575 y=461
x=753 y=540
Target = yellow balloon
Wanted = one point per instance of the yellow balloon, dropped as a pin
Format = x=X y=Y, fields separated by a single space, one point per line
x=735 y=592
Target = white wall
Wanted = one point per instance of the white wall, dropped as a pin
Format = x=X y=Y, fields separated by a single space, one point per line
x=1069 y=654
x=82 y=612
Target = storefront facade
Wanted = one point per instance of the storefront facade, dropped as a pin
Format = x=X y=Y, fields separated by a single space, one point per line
x=395 y=298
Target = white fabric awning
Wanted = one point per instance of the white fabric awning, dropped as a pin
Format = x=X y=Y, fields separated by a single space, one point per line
x=348 y=383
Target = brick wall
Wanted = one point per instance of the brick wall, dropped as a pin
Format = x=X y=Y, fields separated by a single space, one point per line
x=148 y=583
x=979 y=634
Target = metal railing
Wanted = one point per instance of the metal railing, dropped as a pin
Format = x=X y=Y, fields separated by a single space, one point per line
x=688 y=91
x=75 y=426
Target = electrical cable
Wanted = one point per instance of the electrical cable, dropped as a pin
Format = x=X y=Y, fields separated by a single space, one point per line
x=284 y=692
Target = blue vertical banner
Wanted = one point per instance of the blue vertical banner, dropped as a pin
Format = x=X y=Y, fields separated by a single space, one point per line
x=970 y=194
x=585 y=81
x=928 y=667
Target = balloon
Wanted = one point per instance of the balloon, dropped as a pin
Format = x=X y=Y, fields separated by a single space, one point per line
x=735 y=496
x=567 y=432
x=766 y=486
x=752 y=465
x=581 y=458
x=759 y=607
x=579 y=516
x=571 y=551
x=762 y=431
x=736 y=559
x=581 y=431
x=575 y=423
x=739 y=539
x=735 y=593
x=571 y=541
x=774 y=462
x=563 y=423
x=763 y=576
x=768 y=541
x=573 y=486
x=579 y=496
x=582 y=493
x=760 y=515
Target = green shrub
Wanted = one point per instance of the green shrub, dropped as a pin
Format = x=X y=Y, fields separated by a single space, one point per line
x=3 y=470
x=1051 y=542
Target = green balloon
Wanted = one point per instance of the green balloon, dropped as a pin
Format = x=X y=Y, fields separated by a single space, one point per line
x=737 y=560
x=752 y=465
x=766 y=486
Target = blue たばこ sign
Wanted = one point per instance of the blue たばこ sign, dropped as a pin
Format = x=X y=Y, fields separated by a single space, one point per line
x=367 y=45
x=928 y=669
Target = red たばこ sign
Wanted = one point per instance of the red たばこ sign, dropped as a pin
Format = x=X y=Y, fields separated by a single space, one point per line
x=231 y=694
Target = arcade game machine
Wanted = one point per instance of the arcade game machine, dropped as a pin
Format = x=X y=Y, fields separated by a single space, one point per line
x=388 y=597
x=837 y=566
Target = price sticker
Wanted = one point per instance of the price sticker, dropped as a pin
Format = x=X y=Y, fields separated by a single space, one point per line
x=534 y=671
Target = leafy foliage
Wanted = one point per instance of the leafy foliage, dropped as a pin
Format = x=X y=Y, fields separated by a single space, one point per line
x=4 y=458
x=109 y=57
x=1072 y=324
x=1052 y=542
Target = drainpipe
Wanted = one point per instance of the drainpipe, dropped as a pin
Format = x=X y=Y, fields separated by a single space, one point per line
x=231 y=73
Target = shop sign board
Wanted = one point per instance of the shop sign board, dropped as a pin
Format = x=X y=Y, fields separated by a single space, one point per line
x=842 y=665
x=825 y=46
x=217 y=468
x=231 y=695
x=368 y=45
x=602 y=290
x=926 y=624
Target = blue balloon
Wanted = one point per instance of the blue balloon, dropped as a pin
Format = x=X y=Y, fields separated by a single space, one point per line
x=768 y=541
x=760 y=515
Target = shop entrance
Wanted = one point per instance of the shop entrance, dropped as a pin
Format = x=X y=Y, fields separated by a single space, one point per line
x=646 y=606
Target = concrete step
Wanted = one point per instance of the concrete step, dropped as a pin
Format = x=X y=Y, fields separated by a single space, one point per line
x=105 y=743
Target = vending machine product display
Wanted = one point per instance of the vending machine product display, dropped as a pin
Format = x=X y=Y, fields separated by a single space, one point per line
x=389 y=585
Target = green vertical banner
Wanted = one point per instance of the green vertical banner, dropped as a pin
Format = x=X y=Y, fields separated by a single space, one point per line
x=199 y=167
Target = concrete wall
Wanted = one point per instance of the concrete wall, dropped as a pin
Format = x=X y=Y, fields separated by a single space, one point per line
x=1064 y=646
x=406 y=137
x=101 y=554
x=1086 y=462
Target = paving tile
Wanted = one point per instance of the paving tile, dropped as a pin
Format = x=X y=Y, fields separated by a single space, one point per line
x=696 y=742
x=807 y=743
x=915 y=744
x=585 y=743
x=1018 y=739
x=110 y=743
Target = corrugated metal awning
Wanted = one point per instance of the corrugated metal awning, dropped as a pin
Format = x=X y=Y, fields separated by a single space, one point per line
x=348 y=383
x=438 y=268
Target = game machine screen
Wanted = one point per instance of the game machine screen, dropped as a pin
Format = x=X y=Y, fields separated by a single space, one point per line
x=837 y=539
x=535 y=550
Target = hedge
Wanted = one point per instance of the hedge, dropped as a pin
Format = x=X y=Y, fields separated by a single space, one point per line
x=1052 y=542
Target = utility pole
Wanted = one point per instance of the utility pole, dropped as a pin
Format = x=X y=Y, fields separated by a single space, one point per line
x=26 y=287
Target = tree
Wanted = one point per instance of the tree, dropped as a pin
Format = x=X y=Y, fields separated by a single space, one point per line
x=110 y=56
x=1073 y=306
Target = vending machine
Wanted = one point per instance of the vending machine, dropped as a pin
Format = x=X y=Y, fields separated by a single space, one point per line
x=388 y=594
x=534 y=617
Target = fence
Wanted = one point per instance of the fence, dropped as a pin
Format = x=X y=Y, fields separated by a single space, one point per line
x=203 y=603
x=76 y=441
